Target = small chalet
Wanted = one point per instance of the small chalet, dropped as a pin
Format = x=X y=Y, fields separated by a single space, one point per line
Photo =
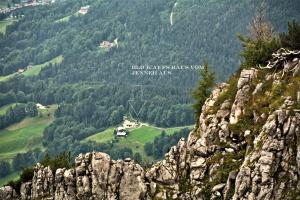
x=40 y=106
x=106 y=45
x=84 y=10
x=109 y=45
x=121 y=132
x=21 y=70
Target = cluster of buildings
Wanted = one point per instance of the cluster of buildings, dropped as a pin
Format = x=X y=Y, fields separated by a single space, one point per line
x=121 y=131
x=21 y=70
x=24 y=4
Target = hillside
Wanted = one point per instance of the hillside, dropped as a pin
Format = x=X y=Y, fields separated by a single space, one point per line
x=95 y=86
x=97 y=61
x=136 y=140
x=25 y=138
x=22 y=137
x=246 y=147
x=25 y=135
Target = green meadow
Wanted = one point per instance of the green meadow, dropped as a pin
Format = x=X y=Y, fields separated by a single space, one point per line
x=67 y=18
x=4 y=23
x=25 y=135
x=136 y=138
x=143 y=134
x=34 y=69
x=3 y=109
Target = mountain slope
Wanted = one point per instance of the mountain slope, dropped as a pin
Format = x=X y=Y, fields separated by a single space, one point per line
x=93 y=86
x=144 y=34
x=246 y=147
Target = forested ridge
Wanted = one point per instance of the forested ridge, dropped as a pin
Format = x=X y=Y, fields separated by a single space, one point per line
x=93 y=86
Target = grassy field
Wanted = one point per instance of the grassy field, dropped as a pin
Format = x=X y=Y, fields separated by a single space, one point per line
x=142 y=134
x=101 y=137
x=67 y=18
x=25 y=135
x=5 y=78
x=35 y=69
x=4 y=23
x=136 y=138
x=146 y=134
x=3 y=109
x=64 y=19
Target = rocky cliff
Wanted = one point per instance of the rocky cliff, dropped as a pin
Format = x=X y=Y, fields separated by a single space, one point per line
x=246 y=146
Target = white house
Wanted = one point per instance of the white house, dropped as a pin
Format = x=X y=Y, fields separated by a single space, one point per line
x=121 y=131
x=84 y=10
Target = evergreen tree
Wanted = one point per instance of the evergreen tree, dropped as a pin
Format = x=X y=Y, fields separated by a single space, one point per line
x=292 y=38
x=203 y=89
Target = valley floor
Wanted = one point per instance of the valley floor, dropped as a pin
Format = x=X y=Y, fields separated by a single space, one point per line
x=27 y=135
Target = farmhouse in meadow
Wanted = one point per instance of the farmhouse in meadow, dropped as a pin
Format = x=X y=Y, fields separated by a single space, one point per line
x=21 y=70
x=121 y=132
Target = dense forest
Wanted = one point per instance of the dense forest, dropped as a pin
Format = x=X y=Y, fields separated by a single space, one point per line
x=96 y=87
x=17 y=113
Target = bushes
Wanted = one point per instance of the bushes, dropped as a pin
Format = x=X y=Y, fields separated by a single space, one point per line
x=228 y=94
x=258 y=52
x=62 y=160
x=26 y=175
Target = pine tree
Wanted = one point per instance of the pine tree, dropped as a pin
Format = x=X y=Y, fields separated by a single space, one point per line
x=203 y=89
x=291 y=40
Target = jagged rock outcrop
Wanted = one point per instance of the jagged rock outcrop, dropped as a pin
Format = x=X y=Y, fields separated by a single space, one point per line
x=7 y=193
x=246 y=146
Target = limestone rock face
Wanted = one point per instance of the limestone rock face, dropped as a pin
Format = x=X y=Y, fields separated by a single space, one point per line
x=246 y=146
x=42 y=182
x=8 y=193
x=99 y=177
x=273 y=168
x=65 y=184
x=242 y=95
